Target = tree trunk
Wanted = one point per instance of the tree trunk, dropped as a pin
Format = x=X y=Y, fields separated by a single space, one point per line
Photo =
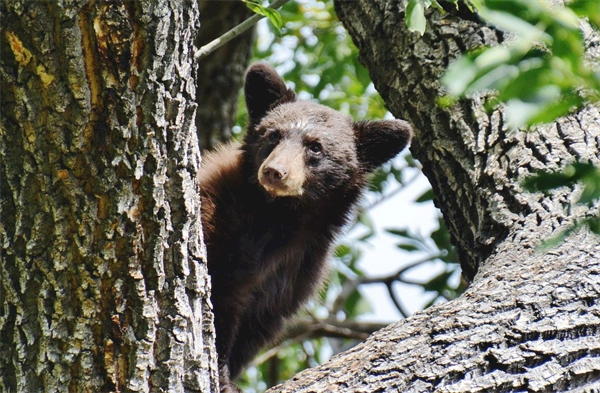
x=221 y=74
x=103 y=281
x=530 y=320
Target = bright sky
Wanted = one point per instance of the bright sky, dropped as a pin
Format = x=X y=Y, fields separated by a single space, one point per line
x=383 y=257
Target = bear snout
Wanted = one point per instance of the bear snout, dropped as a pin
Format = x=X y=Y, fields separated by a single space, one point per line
x=282 y=178
x=274 y=173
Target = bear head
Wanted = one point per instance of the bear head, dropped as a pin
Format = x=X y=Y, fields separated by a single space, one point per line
x=304 y=150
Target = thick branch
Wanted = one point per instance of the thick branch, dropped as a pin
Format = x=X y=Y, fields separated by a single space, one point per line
x=474 y=163
x=540 y=335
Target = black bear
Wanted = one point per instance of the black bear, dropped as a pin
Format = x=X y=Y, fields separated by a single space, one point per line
x=273 y=206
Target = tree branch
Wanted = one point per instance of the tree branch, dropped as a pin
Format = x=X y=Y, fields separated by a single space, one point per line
x=329 y=327
x=352 y=284
x=399 y=189
x=234 y=32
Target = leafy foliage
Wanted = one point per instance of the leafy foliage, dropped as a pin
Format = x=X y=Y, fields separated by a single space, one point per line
x=415 y=16
x=437 y=246
x=317 y=56
x=542 y=74
x=538 y=77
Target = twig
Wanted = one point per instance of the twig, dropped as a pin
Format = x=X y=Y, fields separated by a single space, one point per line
x=329 y=327
x=394 y=276
x=314 y=328
x=396 y=300
x=234 y=32
x=400 y=188
x=350 y=286
x=276 y=349
x=263 y=357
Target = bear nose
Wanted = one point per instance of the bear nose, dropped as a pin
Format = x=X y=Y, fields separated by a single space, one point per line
x=274 y=173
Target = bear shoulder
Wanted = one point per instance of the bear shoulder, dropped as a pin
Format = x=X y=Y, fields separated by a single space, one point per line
x=222 y=163
x=221 y=178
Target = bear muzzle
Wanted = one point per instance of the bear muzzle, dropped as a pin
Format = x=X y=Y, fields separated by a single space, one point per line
x=281 y=176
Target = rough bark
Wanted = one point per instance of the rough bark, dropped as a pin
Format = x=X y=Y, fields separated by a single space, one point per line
x=103 y=282
x=221 y=74
x=530 y=321
x=538 y=335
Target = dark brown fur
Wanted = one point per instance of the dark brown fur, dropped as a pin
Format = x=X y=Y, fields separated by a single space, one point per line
x=272 y=207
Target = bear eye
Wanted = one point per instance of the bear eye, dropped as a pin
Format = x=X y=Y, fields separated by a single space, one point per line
x=315 y=147
x=273 y=135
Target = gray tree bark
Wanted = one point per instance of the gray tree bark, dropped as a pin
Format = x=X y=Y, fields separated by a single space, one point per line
x=221 y=74
x=530 y=320
x=103 y=281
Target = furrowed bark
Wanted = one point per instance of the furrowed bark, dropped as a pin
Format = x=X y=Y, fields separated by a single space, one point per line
x=103 y=282
x=530 y=320
x=221 y=74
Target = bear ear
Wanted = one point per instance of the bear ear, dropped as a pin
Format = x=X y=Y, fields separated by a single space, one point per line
x=264 y=90
x=378 y=141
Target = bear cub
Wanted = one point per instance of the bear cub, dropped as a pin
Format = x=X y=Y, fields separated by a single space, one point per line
x=273 y=206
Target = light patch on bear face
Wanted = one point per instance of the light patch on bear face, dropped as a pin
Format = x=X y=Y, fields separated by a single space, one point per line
x=305 y=116
x=276 y=191
x=302 y=123
x=283 y=171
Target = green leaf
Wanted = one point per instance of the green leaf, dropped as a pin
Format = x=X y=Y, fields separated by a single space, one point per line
x=425 y=197
x=397 y=172
x=541 y=74
x=589 y=9
x=546 y=181
x=558 y=239
x=342 y=250
x=377 y=180
x=439 y=7
x=591 y=187
x=366 y=236
x=255 y=6
x=439 y=282
x=441 y=238
x=460 y=74
x=365 y=219
x=272 y=14
x=362 y=74
x=594 y=225
x=275 y=18
x=408 y=247
x=430 y=303
x=509 y=21
x=415 y=16
x=588 y=175
x=356 y=305
x=549 y=111
x=446 y=101
x=410 y=161
x=571 y=174
x=399 y=232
